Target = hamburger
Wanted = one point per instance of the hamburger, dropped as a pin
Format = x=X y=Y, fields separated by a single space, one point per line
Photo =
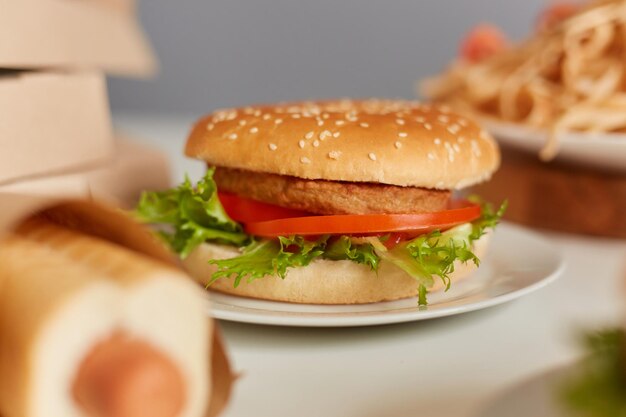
x=330 y=202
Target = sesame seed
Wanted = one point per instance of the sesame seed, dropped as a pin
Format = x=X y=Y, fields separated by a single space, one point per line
x=475 y=148
x=364 y=124
x=323 y=134
x=272 y=146
x=325 y=116
x=210 y=126
x=232 y=136
x=278 y=121
x=456 y=148
x=443 y=119
x=254 y=129
x=402 y=134
x=334 y=154
x=257 y=113
x=320 y=123
x=431 y=156
x=428 y=126
x=451 y=156
x=309 y=135
x=371 y=156
x=305 y=160
x=296 y=116
x=398 y=144
x=242 y=122
x=462 y=122
x=340 y=122
x=316 y=143
x=454 y=129
x=437 y=141
x=420 y=119
x=461 y=139
x=267 y=116
x=336 y=134
x=301 y=143
x=400 y=121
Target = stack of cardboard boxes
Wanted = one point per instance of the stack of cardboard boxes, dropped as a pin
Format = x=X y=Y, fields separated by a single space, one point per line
x=56 y=137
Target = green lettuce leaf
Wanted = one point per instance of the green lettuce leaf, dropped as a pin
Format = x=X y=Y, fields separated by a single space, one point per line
x=269 y=257
x=599 y=389
x=434 y=254
x=274 y=257
x=489 y=218
x=344 y=248
x=194 y=215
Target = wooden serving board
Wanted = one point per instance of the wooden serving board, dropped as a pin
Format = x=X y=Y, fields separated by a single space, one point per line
x=558 y=196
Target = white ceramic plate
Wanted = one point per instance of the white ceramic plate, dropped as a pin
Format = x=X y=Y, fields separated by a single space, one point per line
x=537 y=396
x=601 y=150
x=505 y=274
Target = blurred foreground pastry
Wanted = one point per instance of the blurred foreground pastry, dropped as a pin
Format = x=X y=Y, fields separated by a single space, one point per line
x=89 y=327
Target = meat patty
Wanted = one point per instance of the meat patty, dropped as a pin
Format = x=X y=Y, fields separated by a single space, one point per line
x=330 y=197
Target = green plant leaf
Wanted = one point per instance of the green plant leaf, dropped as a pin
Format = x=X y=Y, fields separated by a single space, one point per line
x=599 y=387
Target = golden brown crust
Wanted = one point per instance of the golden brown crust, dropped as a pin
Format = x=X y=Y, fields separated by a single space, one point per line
x=330 y=197
x=323 y=281
x=382 y=141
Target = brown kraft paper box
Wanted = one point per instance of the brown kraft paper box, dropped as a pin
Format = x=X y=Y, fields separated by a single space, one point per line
x=74 y=34
x=52 y=122
x=132 y=169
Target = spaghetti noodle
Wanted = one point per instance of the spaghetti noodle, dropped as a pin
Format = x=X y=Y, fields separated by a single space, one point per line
x=569 y=76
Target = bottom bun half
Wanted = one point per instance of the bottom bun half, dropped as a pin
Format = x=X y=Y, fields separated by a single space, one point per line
x=323 y=281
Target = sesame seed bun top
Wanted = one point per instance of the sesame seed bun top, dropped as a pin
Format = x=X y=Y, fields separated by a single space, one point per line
x=396 y=142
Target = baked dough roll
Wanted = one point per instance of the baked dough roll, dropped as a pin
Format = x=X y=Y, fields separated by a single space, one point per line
x=90 y=328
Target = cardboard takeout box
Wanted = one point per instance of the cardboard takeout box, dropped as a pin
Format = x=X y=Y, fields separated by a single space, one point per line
x=125 y=6
x=78 y=34
x=133 y=168
x=52 y=122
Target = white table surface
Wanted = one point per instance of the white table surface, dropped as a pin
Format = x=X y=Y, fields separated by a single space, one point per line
x=444 y=367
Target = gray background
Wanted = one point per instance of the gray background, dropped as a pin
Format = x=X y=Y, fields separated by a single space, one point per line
x=233 y=52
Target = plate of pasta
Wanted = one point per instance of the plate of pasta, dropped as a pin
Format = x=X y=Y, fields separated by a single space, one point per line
x=561 y=92
x=595 y=149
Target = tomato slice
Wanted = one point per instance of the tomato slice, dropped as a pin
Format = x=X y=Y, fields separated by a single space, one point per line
x=245 y=210
x=461 y=211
